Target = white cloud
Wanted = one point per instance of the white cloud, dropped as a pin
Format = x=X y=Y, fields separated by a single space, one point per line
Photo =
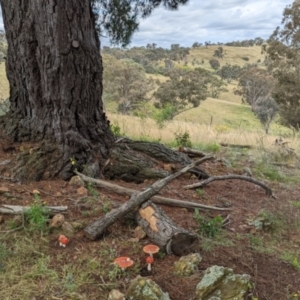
x=215 y=21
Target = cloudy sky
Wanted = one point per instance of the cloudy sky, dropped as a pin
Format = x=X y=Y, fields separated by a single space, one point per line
x=211 y=20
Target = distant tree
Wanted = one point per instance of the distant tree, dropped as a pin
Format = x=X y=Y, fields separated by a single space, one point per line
x=183 y=91
x=219 y=52
x=283 y=49
x=214 y=63
x=229 y=72
x=258 y=41
x=126 y=83
x=254 y=84
x=266 y=110
x=216 y=86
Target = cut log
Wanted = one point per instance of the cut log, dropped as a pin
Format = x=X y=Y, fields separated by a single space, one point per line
x=96 y=230
x=163 y=232
x=16 y=209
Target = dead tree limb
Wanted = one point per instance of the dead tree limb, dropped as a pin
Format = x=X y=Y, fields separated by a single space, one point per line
x=16 y=209
x=192 y=152
x=227 y=177
x=156 y=199
x=96 y=230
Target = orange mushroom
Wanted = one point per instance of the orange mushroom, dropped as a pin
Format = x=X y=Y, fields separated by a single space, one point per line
x=149 y=261
x=63 y=240
x=123 y=262
x=151 y=249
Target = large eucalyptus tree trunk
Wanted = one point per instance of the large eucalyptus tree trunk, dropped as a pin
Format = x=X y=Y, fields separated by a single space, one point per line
x=54 y=70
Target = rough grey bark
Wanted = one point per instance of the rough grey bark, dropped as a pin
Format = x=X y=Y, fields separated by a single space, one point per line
x=54 y=70
x=138 y=160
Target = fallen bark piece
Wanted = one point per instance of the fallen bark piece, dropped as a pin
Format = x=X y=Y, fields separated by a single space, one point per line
x=95 y=230
x=16 y=209
x=228 y=177
x=163 y=232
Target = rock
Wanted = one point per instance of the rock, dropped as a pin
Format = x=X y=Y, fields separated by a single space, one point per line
x=3 y=190
x=57 y=221
x=187 y=265
x=247 y=172
x=139 y=233
x=82 y=191
x=145 y=289
x=220 y=283
x=226 y=162
x=5 y=162
x=115 y=295
x=67 y=228
x=17 y=221
x=77 y=225
x=76 y=181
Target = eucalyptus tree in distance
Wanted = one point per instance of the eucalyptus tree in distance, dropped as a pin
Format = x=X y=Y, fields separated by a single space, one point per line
x=54 y=70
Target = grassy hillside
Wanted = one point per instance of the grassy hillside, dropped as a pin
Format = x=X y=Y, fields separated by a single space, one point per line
x=233 y=55
x=223 y=115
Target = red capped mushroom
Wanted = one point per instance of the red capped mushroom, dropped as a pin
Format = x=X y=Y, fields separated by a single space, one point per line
x=123 y=262
x=149 y=261
x=63 y=240
x=151 y=249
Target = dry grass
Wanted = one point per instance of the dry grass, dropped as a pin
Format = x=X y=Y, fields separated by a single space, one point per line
x=4 y=87
x=200 y=134
x=233 y=55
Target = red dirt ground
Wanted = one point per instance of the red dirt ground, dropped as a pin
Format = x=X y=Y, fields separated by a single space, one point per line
x=271 y=277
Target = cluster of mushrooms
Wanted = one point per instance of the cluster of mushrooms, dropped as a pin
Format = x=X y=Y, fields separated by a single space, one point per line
x=125 y=262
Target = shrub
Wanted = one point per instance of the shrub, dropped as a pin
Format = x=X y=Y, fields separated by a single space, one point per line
x=183 y=139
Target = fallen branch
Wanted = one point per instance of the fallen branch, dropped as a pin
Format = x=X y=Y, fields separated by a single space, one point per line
x=227 y=177
x=192 y=152
x=17 y=210
x=96 y=229
x=156 y=199
x=236 y=146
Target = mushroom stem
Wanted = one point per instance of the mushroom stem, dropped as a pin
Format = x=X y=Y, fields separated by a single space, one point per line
x=149 y=267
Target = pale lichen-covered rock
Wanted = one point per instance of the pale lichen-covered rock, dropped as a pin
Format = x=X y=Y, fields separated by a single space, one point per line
x=76 y=181
x=115 y=295
x=82 y=191
x=67 y=228
x=187 y=265
x=141 y=288
x=57 y=221
x=219 y=283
